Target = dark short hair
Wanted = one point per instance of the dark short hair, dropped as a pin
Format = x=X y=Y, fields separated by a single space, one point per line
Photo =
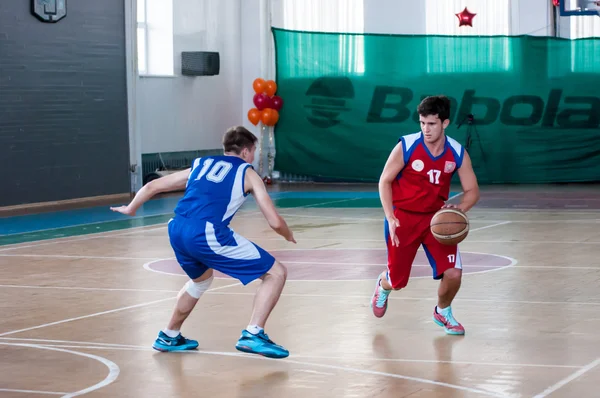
x=237 y=138
x=435 y=105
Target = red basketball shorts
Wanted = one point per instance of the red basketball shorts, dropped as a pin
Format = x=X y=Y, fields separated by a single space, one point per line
x=413 y=232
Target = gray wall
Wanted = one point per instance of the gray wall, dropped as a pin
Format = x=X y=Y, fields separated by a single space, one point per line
x=63 y=103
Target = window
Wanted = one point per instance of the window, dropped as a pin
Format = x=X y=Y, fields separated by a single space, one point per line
x=585 y=57
x=445 y=55
x=155 y=37
x=337 y=16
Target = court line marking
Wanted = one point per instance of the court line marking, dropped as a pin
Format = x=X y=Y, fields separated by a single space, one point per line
x=513 y=262
x=94 y=235
x=490 y=226
x=106 y=312
x=148 y=228
x=471 y=219
x=32 y=392
x=113 y=369
x=311 y=364
x=96 y=345
x=568 y=379
x=68 y=239
x=78 y=257
x=459 y=299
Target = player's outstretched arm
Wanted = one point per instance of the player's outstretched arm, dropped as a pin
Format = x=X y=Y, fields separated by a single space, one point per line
x=256 y=186
x=468 y=180
x=393 y=166
x=172 y=182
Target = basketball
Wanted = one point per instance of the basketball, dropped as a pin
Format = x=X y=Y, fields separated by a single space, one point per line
x=449 y=226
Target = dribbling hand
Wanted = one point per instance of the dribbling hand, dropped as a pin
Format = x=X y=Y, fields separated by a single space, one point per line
x=452 y=206
x=124 y=210
x=393 y=224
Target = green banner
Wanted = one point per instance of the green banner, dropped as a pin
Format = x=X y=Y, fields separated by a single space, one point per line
x=535 y=103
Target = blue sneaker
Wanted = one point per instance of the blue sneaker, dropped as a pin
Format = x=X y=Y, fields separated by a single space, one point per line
x=165 y=343
x=260 y=344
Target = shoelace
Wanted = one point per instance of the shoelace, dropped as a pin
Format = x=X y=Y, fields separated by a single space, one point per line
x=381 y=297
x=450 y=318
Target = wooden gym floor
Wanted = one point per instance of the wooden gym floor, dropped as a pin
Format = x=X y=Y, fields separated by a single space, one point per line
x=80 y=312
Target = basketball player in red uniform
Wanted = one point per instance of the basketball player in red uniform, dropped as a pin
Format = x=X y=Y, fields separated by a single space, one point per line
x=414 y=185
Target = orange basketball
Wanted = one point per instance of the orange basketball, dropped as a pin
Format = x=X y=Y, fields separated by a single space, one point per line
x=449 y=226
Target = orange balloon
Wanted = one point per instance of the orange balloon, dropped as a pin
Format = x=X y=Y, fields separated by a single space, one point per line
x=254 y=115
x=259 y=85
x=270 y=87
x=269 y=117
x=274 y=117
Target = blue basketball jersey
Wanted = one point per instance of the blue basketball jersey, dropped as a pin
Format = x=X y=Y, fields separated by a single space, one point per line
x=215 y=189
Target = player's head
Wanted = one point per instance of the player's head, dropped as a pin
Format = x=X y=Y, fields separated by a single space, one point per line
x=240 y=142
x=434 y=113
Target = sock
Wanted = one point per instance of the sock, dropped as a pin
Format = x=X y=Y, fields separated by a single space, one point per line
x=171 y=333
x=442 y=311
x=254 y=329
x=381 y=287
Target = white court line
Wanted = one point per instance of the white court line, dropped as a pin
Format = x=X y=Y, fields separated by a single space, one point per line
x=568 y=379
x=100 y=289
x=456 y=195
x=312 y=295
x=106 y=312
x=87 y=344
x=113 y=369
x=466 y=300
x=79 y=257
x=69 y=239
x=316 y=365
x=489 y=226
x=32 y=392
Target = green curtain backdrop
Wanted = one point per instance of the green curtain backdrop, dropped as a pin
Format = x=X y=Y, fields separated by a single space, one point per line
x=348 y=98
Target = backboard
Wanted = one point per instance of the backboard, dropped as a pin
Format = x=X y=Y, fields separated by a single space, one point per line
x=579 y=7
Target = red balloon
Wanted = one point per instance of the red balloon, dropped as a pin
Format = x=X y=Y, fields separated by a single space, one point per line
x=276 y=102
x=262 y=101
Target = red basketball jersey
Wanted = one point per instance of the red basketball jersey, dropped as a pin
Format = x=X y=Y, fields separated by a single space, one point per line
x=423 y=185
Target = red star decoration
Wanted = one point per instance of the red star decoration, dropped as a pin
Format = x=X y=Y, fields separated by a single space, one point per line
x=465 y=18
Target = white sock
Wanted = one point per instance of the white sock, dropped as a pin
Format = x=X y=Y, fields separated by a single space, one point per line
x=254 y=329
x=443 y=311
x=171 y=333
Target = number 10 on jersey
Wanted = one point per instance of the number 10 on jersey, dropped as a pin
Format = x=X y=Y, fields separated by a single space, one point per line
x=217 y=173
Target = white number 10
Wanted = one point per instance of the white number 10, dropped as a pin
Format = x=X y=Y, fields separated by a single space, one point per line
x=434 y=176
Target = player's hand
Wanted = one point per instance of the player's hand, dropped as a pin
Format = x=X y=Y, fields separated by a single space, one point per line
x=124 y=210
x=453 y=206
x=393 y=224
x=290 y=237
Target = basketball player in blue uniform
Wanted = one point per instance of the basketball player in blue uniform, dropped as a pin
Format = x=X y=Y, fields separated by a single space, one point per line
x=215 y=188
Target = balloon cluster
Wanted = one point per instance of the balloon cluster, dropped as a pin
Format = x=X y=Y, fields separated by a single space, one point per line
x=266 y=102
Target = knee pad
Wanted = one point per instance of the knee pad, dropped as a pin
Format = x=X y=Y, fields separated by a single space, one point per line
x=196 y=289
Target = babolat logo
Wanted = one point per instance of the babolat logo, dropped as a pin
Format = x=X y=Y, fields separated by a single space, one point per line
x=582 y=111
x=328 y=99
x=391 y=104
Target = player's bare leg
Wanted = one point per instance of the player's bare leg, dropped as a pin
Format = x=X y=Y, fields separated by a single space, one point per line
x=186 y=303
x=170 y=338
x=447 y=290
x=254 y=339
x=449 y=286
x=267 y=295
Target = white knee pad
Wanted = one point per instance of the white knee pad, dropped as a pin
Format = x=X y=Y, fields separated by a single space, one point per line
x=196 y=289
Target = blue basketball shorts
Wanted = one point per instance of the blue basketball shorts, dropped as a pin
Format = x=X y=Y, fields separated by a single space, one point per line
x=200 y=245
